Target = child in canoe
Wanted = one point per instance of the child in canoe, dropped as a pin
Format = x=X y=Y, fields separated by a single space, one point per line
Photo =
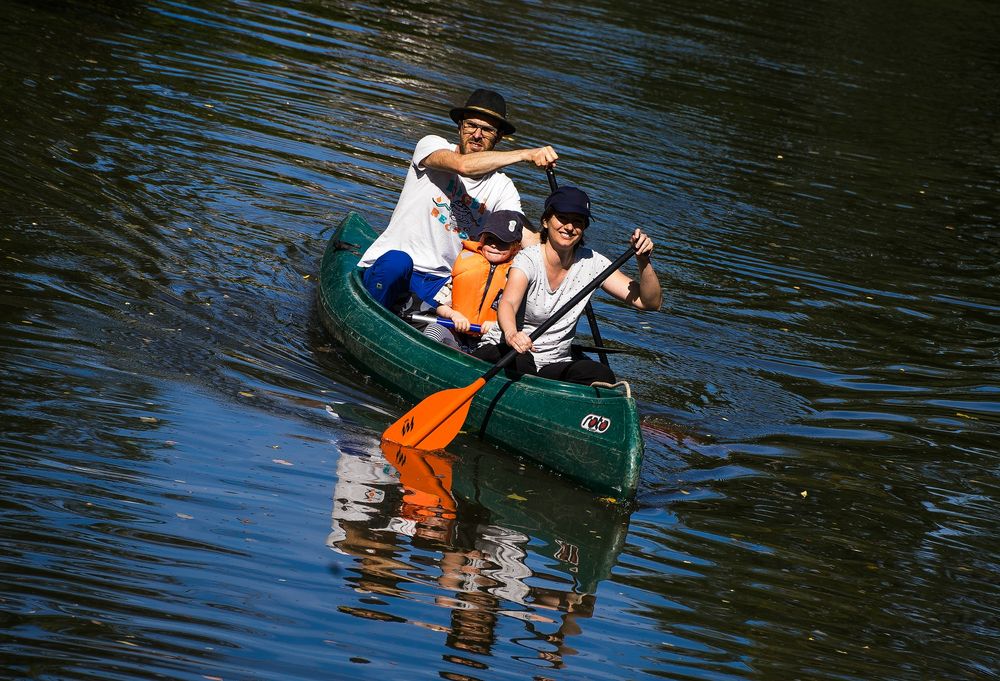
x=477 y=281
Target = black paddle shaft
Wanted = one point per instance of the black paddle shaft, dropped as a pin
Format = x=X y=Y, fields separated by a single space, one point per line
x=561 y=312
x=551 y=174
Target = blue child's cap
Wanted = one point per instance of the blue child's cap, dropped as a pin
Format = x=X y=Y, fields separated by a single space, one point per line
x=505 y=225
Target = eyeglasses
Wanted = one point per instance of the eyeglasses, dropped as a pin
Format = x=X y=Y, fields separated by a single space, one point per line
x=488 y=131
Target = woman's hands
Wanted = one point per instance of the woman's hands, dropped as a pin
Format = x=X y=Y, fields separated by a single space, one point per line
x=643 y=244
x=519 y=341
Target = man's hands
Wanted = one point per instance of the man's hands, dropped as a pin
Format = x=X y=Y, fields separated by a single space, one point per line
x=543 y=157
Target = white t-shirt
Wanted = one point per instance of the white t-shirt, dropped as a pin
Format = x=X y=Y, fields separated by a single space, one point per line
x=540 y=301
x=437 y=209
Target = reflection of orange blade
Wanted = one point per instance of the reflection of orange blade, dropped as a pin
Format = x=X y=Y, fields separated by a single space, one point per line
x=427 y=475
x=435 y=422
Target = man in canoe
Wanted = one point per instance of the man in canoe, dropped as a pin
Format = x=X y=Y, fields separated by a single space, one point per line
x=449 y=190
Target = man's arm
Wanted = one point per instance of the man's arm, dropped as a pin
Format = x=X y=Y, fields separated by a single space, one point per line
x=480 y=163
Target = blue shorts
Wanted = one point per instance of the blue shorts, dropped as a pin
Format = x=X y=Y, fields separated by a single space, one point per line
x=391 y=278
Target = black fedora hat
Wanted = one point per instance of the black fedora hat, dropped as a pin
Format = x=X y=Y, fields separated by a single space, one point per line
x=485 y=103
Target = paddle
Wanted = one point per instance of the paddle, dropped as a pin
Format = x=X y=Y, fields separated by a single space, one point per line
x=435 y=422
x=475 y=328
x=603 y=348
x=447 y=323
x=589 y=310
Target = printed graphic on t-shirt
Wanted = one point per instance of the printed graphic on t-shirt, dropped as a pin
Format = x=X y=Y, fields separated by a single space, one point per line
x=466 y=211
x=441 y=210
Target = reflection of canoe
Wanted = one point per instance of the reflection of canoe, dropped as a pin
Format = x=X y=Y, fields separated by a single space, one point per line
x=588 y=434
x=516 y=554
x=576 y=534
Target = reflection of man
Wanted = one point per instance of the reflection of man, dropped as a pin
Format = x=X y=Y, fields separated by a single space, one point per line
x=507 y=550
x=449 y=190
x=360 y=488
x=488 y=578
x=426 y=509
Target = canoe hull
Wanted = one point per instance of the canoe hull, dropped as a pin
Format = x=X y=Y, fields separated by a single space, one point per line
x=588 y=434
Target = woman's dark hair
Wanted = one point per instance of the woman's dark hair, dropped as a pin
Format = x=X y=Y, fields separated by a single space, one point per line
x=544 y=234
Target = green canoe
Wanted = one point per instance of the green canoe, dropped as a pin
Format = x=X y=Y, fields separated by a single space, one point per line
x=588 y=434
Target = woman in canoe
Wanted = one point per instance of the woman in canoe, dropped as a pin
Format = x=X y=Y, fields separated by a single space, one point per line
x=544 y=277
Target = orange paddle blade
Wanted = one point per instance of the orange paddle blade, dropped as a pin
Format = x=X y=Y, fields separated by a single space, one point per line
x=435 y=422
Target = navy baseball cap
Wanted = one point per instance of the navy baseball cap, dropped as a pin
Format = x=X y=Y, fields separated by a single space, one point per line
x=505 y=225
x=568 y=200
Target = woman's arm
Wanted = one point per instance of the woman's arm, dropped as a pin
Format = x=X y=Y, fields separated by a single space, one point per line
x=510 y=303
x=646 y=293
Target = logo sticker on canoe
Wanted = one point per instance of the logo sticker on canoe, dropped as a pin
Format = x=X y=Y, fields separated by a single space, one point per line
x=595 y=423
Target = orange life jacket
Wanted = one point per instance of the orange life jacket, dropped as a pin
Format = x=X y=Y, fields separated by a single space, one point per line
x=476 y=284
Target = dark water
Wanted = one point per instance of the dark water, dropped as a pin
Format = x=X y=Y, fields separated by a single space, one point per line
x=190 y=482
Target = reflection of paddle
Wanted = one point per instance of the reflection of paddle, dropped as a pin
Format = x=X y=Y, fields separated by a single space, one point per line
x=427 y=477
x=435 y=422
